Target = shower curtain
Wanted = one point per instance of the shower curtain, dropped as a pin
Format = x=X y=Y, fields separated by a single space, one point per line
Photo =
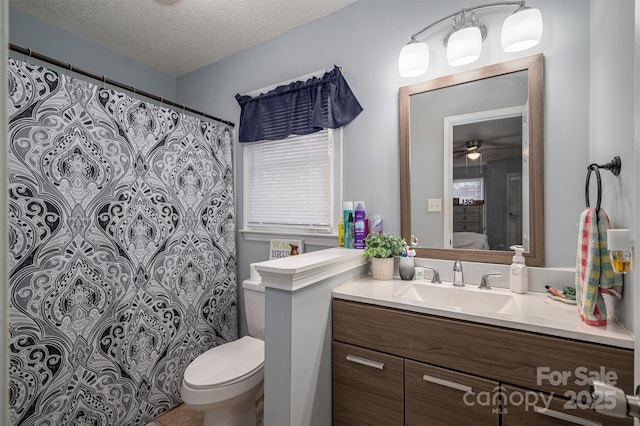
x=122 y=250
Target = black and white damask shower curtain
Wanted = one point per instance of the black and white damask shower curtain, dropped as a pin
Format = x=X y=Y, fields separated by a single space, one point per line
x=122 y=250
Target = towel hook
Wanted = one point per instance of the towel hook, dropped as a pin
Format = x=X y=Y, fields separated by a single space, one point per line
x=613 y=166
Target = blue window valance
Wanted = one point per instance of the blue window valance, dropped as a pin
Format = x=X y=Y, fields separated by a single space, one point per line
x=299 y=108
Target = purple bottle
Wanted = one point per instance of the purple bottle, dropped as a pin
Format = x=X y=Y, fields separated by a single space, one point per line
x=359 y=224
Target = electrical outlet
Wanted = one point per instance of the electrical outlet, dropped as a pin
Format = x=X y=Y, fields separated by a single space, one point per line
x=434 y=205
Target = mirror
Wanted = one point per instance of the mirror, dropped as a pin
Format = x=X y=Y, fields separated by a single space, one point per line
x=474 y=207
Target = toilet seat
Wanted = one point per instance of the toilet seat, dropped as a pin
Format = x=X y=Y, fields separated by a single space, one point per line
x=226 y=364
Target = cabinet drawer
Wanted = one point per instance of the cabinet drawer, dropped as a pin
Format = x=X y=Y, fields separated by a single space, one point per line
x=523 y=407
x=466 y=217
x=367 y=387
x=435 y=396
x=467 y=227
x=466 y=209
x=501 y=354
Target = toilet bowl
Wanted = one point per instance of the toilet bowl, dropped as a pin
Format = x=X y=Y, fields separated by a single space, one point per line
x=226 y=382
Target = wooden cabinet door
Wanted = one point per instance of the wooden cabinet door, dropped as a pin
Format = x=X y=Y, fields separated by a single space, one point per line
x=435 y=396
x=525 y=407
x=367 y=387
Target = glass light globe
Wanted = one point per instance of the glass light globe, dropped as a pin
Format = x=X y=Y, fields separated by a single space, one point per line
x=464 y=46
x=473 y=155
x=521 y=30
x=414 y=59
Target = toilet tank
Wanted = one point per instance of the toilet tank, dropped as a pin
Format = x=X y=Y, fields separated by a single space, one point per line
x=254 y=304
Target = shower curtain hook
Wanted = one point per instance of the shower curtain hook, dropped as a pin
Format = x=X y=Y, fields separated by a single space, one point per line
x=28 y=58
x=104 y=80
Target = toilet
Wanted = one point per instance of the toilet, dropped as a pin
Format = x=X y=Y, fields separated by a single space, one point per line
x=226 y=382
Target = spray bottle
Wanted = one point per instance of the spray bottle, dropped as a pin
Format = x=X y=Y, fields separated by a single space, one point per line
x=359 y=226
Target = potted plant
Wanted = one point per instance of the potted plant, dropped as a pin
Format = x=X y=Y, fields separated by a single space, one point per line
x=381 y=249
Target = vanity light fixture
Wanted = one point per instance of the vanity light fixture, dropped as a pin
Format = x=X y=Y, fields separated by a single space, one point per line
x=464 y=45
x=520 y=31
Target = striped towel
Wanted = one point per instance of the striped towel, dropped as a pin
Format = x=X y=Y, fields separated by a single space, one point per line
x=594 y=273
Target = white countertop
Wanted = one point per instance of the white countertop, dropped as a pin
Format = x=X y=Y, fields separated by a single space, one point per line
x=294 y=273
x=533 y=311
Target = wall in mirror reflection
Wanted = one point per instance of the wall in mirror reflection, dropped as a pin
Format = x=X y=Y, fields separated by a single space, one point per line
x=443 y=122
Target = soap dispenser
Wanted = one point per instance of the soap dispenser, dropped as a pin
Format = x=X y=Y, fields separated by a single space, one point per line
x=518 y=273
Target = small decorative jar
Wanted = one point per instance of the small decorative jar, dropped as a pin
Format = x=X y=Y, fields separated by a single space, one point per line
x=406 y=268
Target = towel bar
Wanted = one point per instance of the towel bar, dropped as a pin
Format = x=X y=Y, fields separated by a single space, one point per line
x=613 y=166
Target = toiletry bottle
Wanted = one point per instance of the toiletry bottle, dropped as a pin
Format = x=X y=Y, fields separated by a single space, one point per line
x=347 y=207
x=518 y=273
x=348 y=232
x=366 y=227
x=341 y=232
x=359 y=225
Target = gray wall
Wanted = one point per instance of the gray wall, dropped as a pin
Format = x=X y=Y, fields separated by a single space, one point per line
x=427 y=113
x=587 y=97
x=611 y=127
x=4 y=228
x=32 y=33
x=365 y=38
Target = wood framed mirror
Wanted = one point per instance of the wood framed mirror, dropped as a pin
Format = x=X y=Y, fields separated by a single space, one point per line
x=458 y=208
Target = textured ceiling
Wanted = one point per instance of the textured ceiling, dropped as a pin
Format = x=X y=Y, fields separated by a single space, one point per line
x=178 y=36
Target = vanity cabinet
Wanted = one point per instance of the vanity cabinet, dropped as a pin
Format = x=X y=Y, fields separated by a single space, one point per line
x=549 y=410
x=458 y=355
x=367 y=387
x=436 y=396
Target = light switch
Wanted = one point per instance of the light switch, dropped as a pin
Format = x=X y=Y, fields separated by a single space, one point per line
x=434 y=205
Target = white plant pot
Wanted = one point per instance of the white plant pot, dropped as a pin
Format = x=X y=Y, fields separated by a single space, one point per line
x=382 y=269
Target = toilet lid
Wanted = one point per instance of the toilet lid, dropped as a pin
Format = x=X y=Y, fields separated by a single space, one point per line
x=225 y=363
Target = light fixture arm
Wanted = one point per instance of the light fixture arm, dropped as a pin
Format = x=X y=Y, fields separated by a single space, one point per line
x=462 y=12
x=520 y=31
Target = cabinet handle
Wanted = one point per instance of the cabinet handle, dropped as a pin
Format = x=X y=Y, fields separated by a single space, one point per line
x=565 y=417
x=447 y=383
x=367 y=362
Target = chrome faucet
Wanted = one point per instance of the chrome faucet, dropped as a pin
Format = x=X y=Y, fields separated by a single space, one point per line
x=458 y=274
x=484 y=281
x=436 y=276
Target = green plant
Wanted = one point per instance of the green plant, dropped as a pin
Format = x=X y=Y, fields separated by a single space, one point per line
x=383 y=245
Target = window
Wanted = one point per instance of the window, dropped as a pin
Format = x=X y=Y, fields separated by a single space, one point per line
x=293 y=185
x=468 y=189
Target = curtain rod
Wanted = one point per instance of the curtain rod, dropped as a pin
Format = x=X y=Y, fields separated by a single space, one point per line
x=31 y=54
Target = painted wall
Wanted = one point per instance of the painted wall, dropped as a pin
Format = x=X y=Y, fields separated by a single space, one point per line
x=612 y=123
x=32 y=33
x=4 y=225
x=366 y=37
x=427 y=114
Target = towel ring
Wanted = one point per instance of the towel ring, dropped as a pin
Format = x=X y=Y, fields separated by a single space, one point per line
x=613 y=165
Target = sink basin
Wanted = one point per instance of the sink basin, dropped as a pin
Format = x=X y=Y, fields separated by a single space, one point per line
x=460 y=299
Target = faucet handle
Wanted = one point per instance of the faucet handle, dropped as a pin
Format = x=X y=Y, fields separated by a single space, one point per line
x=435 y=279
x=484 y=281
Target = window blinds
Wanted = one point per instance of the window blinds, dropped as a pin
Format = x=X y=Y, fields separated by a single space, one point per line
x=290 y=182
